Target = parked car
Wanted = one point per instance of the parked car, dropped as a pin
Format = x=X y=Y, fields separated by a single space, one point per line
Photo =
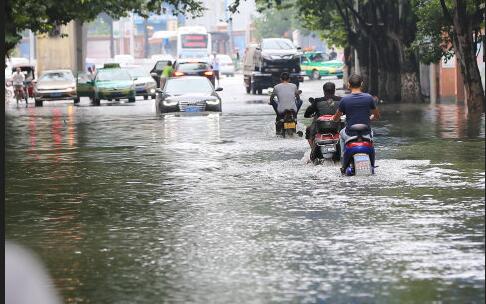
x=226 y=65
x=55 y=85
x=263 y=64
x=109 y=84
x=191 y=67
x=318 y=64
x=188 y=94
x=144 y=84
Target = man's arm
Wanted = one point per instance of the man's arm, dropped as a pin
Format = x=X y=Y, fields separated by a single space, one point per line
x=310 y=110
x=337 y=116
x=375 y=114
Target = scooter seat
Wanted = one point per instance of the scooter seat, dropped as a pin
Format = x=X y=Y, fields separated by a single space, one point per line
x=352 y=138
x=360 y=128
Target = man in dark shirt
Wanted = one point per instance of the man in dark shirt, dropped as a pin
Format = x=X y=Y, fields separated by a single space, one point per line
x=327 y=105
x=357 y=107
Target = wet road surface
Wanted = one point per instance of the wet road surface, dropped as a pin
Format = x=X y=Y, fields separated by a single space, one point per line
x=125 y=206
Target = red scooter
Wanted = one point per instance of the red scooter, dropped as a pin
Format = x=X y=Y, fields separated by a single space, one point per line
x=325 y=146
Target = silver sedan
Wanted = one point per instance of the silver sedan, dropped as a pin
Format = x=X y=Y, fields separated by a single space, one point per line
x=55 y=85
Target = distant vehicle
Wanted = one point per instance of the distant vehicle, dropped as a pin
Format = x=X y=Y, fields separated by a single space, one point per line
x=109 y=84
x=317 y=64
x=124 y=59
x=193 y=42
x=226 y=65
x=144 y=84
x=55 y=85
x=184 y=67
x=188 y=94
x=264 y=62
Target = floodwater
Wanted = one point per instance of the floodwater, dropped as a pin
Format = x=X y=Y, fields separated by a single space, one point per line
x=124 y=206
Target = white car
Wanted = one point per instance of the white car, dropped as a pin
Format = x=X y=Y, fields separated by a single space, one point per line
x=145 y=85
x=226 y=65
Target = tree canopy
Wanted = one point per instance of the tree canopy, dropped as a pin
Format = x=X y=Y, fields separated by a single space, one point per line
x=42 y=16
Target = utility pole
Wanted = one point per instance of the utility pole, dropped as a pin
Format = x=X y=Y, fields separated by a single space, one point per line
x=79 y=46
x=31 y=47
x=132 y=36
x=145 y=39
x=356 y=59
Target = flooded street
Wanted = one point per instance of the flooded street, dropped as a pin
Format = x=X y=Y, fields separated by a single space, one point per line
x=124 y=206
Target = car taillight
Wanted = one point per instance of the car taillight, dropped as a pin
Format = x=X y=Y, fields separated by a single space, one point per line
x=178 y=73
x=208 y=73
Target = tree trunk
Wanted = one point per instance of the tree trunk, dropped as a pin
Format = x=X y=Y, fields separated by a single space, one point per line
x=463 y=46
x=410 y=81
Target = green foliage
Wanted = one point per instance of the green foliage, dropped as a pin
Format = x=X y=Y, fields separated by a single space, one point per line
x=98 y=27
x=280 y=16
x=273 y=23
x=42 y=16
x=434 y=32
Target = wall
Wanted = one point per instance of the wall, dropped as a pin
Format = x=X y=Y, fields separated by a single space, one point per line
x=50 y=49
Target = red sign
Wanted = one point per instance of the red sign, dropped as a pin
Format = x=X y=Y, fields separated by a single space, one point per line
x=194 y=41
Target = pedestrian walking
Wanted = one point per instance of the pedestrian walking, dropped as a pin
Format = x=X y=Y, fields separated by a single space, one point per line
x=91 y=73
x=215 y=65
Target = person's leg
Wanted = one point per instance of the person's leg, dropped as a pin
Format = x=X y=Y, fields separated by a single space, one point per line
x=298 y=103
x=308 y=135
x=342 y=140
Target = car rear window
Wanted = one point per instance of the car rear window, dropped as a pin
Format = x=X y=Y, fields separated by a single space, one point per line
x=57 y=76
x=192 y=66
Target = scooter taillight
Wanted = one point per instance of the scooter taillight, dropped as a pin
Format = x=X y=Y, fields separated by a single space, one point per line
x=359 y=144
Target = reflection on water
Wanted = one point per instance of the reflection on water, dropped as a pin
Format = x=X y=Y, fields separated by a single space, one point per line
x=126 y=207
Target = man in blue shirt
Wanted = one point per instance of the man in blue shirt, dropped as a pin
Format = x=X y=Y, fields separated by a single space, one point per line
x=359 y=108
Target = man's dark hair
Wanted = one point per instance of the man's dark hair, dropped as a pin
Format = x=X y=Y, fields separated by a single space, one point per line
x=355 y=81
x=329 y=88
x=284 y=76
x=169 y=63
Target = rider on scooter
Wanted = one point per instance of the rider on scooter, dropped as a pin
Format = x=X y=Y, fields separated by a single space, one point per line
x=287 y=95
x=327 y=105
x=357 y=107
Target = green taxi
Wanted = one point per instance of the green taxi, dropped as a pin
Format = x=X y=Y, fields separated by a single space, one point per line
x=108 y=83
x=317 y=64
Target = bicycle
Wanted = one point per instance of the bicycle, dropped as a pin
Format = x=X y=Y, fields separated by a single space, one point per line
x=21 y=94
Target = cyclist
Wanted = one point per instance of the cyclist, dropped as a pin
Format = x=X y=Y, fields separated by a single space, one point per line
x=18 y=79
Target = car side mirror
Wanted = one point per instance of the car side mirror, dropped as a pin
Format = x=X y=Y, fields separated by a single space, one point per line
x=135 y=78
x=219 y=89
x=258 y=48
x=154 y=74
x=270 y=91
x=299 y=48
x=159 y=90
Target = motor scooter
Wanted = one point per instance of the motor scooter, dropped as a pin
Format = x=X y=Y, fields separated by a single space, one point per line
x=359 y=152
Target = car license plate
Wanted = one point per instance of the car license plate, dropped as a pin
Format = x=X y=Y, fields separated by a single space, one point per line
x=57 y=94
x=193 y=109
x=289 y=125
x=362 y=164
